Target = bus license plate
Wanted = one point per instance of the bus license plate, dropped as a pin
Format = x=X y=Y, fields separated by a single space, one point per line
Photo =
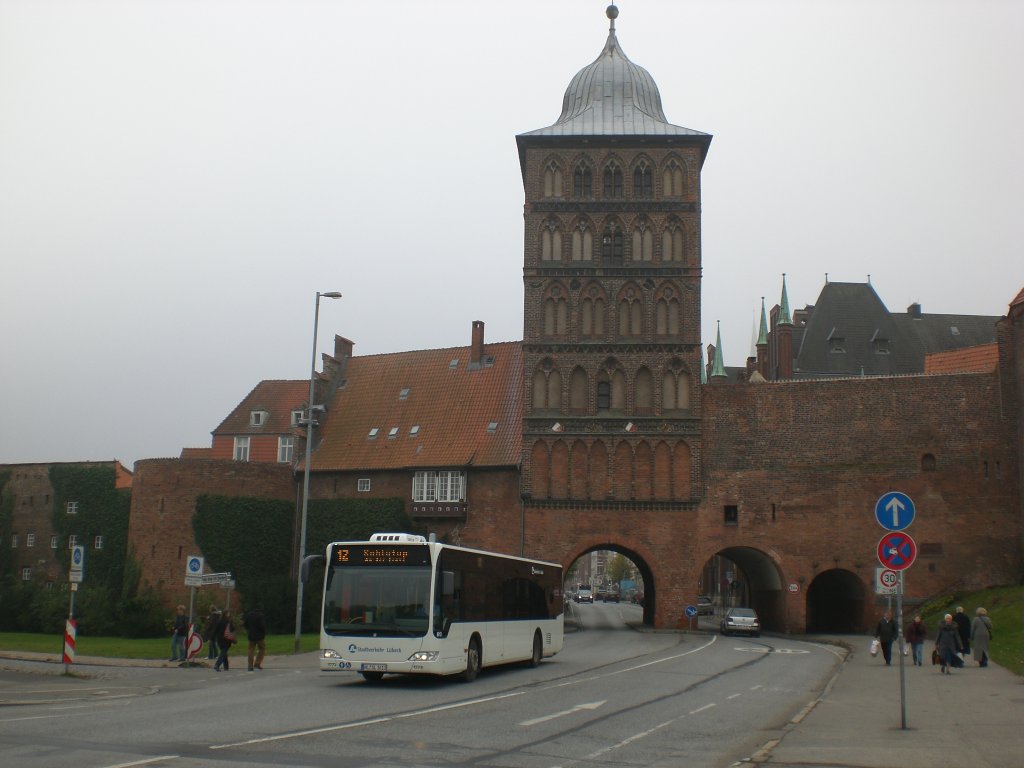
x=373 y=667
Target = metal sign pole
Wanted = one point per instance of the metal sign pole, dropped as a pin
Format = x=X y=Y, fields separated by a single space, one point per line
x=903 y=672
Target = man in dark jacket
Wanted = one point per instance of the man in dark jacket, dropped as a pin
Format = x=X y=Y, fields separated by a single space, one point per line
x=963 y=628
x=886 y=632
x=256 y=630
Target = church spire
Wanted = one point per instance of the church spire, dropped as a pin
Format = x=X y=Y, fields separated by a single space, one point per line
x=784 y=317
x=718 y=368
x=762 y=334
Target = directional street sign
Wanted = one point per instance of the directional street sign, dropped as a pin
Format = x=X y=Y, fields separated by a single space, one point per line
x=896 y=551
x=894 y=511
x=691 y=611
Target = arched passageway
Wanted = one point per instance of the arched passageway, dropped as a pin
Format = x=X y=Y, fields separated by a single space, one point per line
x=744 y=576
x=835 y=602
x=629 y=576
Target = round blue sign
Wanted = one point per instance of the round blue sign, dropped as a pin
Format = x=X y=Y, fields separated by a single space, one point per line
x=894 y=511
x=691 y=611
x=193 y=565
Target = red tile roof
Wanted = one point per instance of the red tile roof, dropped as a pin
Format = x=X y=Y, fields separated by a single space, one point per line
x=278 y=398
x=981 y=359
x=451 y=404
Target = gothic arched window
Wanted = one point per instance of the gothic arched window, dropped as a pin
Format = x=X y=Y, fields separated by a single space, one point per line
x=612 y=181
x=582 y=181
x=643 y=185
x=552 y=180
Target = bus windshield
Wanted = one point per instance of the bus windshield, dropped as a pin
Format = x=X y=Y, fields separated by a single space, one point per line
x=369 y=599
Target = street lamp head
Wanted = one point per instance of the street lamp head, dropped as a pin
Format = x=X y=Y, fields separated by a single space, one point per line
x=331 y=295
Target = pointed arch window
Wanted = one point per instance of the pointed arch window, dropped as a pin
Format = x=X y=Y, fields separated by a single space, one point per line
x=643 y=180
x=643 y=241
x=676 y=391
x=644 y=391
x=582 y=181
x=556 y=312
x=613 y=181
x=672 y=179
x=672 y=243
x=667 y=313
x=582 y=243
x=630 y=309
x=592 y=313
x=552 y=180
x=550 y=242
x=578 y=391
x=611 y=244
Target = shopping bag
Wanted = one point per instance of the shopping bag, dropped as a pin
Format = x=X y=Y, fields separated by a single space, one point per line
x=875 y=645
x=935 y=656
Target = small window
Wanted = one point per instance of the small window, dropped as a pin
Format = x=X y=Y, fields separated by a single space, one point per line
x=72 y=541
x=492 y=427
x=414 y=431
x=393 y=433
x=97 y=543
x=30 y=540
x=999 y=471
x=71 y=507
x=53 y=541
x=296 y=418
x=732 y=514
x=26 y=574
x=453 y=364
x=404 y=394
x=257 y=418
x=241 y=449
x=373 y=433
x=363 y=485
x=604 y=395
x=928 y=463
x=14 y=541
x=285 y=449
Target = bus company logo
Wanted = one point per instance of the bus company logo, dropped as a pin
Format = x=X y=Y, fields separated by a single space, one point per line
x=353 y=648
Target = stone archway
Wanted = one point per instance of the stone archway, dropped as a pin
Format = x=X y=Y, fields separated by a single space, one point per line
x=836 y=602
x=749 y=577
x=646 y=575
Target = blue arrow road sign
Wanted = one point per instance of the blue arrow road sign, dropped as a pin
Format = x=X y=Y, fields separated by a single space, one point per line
x=691 y=611
x=894 y=511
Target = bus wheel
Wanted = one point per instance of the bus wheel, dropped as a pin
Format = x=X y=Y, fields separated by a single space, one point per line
x=538 y=650
x=472 y=661
x=372 y=677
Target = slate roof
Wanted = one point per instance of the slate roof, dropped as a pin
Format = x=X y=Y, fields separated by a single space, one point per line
x=278 y=397
x=451 y=402
x=875 y=342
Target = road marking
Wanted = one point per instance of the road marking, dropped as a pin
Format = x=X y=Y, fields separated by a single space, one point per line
x=578 y=708
x=701 y=709
x=636 y=667
x=362 y=723
x=734 y=696
x=144 y=762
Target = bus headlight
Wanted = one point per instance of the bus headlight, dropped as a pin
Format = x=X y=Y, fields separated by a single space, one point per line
x=424 y=656
x=327 y=653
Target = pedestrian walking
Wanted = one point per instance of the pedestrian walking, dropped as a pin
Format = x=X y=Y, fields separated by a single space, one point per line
x=947 y=643
x=210 y=633
x=225 y=639
x=885 y=633
x=963 y=628
x=915 y=635
x=179 y=632
x=256 y=630
x=981 y=634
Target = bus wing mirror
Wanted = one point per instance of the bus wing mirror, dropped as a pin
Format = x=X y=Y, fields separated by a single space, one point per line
x=447 y=583
x=307 y=565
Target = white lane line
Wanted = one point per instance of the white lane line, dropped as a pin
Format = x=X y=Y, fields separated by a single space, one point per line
x=701 y=709
x=362 y=723
x=144 y=762
x=578 y=708
x=733 y=696
x=755 y=687
x=635 y=667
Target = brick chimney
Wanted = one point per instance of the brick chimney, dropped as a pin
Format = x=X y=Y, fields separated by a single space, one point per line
x=476 y=351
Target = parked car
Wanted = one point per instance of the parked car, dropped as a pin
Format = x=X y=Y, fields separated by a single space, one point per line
x=705 y=605
x=607 y=596
x=743 y=620
x=584 y=596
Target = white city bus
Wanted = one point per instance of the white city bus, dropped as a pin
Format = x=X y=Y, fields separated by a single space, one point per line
x=401 y=604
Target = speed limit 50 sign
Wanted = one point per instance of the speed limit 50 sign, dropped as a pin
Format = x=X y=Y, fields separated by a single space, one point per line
x=887 y=581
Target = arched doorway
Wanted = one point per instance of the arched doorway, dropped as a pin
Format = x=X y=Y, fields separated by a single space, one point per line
x=744 y=576
x=835 y=602
x=612 y=569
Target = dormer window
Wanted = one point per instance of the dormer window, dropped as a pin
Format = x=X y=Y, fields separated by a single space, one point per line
x=404 y=394
x=415 y=430
x=296 y=418
x=373 y=433
x=836 y=343
x=258 y=418
x=880 y=344
x=492 y=427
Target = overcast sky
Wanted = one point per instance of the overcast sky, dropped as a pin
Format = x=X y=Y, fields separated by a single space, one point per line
x=178 y=179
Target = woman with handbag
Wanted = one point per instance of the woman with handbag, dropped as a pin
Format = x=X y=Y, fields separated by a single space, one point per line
x=947 y=643
x=225 y=635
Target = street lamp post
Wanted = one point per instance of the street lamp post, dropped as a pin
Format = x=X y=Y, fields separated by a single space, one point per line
x=305 y=473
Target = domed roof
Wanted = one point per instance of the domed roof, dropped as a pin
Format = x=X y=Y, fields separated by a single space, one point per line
x=613 y=97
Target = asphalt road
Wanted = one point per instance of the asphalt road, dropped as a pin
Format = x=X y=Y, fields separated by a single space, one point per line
x=614 y=696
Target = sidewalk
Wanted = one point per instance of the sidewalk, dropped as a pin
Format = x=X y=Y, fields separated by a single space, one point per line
x=973 y=718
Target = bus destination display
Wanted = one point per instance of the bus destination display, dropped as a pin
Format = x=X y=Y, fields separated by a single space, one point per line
x=380 y=554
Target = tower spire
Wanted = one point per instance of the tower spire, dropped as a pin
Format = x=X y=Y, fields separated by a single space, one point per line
x=718 y=368
x=784 y=316
x=762 y=334
x=612 y=12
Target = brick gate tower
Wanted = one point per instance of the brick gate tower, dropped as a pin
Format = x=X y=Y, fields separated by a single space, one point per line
x=611 y=334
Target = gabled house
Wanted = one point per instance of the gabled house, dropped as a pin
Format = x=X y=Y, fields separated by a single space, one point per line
x=265 y=427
